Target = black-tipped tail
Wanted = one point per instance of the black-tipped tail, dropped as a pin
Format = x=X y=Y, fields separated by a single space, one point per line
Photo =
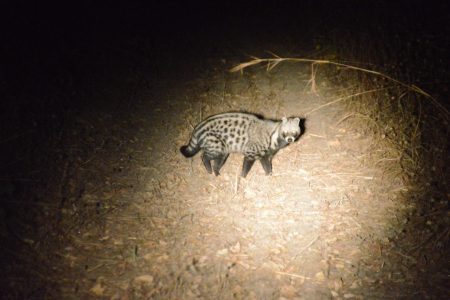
x=189 y=151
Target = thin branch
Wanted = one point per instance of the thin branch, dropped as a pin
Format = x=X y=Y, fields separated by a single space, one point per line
x=344 y=98
x=272 y=62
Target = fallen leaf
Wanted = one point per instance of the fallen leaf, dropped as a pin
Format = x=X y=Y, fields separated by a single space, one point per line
x=288 y=291
x=98 y=289
x=144 y=279
x=236 y=248
x=354 y=285
x=319 y=276
x=337 y=285
x=222 y=252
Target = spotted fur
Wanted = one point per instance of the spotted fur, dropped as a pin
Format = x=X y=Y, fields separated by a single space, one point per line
x=256 y=138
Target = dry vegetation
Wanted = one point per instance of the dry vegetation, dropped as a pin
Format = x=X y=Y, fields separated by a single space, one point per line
x=357 y=209
x=335 y=220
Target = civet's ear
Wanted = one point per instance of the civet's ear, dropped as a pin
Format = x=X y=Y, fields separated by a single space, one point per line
x=297 y=120
x=283 y=119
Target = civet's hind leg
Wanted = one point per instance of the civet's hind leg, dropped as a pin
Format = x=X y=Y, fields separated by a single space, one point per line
x=219 y=161
x=248 y=163
x=266 y=162
x=207 y=162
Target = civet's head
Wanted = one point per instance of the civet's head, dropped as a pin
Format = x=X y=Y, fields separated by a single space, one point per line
x=290 y=129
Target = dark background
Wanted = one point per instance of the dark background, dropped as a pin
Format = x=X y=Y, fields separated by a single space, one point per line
x=56 y=56
x=40 y=41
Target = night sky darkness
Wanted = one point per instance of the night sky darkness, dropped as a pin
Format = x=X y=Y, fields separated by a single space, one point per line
x=41 y=39
x=56 y=56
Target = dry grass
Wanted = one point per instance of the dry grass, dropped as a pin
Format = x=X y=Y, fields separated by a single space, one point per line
x=273 y=62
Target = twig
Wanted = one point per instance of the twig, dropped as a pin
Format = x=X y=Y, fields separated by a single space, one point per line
x=237 y=181
x=293 y=275
x=342 y=99
x=272 y=62
x=307 y=246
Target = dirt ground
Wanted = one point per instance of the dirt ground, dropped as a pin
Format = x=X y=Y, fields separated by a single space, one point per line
x=154 y=225
x=97 y=202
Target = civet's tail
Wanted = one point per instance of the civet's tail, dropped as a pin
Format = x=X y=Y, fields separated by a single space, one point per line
x=191 y=149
